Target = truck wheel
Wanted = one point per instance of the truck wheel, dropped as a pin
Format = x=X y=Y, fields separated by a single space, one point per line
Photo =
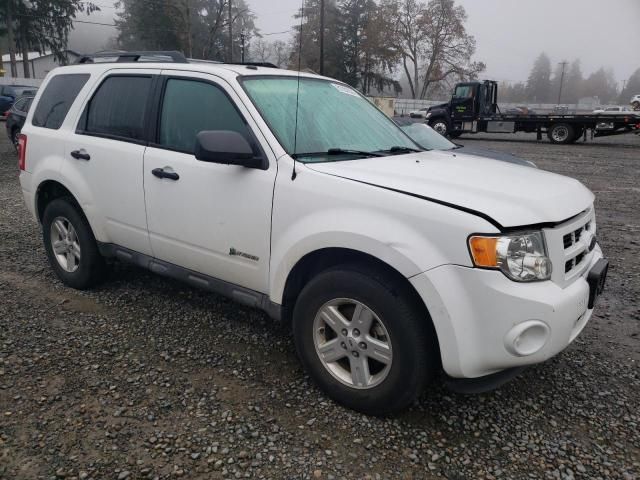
x=561 y=133
x=71 y=246
x=365 y=341
x=636 y=105
x=440 y=126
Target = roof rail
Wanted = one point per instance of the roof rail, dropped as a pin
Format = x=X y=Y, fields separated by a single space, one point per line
x=138 y=56
x=254 y=64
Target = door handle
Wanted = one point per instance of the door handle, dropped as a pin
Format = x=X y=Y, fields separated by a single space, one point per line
x=81 y=154
x=161 y=173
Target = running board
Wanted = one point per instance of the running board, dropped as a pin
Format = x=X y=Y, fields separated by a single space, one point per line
x=244 y=296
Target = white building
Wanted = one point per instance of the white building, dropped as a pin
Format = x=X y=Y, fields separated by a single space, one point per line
x=39 y=63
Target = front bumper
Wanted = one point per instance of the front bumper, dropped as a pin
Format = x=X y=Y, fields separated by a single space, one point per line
x=487 y=323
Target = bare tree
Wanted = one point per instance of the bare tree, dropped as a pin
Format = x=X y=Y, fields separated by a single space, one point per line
x=260 y=51
x=432 y=42
x=280 y=53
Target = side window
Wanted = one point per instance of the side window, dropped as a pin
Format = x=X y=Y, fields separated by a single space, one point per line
x=57 y=98
x=19 y=105
x=463 y=91
x=118 y=107
x=189 y=107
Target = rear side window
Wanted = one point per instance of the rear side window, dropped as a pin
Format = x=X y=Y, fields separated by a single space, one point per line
x=57 y=98
x=118 y=107
x=190 y=107
x=19 y=105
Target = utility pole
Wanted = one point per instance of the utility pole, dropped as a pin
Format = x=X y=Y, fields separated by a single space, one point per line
x=242 y=47
x=12 y=52
x=624 y=83
x=321 y=37
x=564 y=64
x=230 y=34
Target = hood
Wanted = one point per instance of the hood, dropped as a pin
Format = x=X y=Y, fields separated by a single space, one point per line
x=510 y=195
x=440 y=105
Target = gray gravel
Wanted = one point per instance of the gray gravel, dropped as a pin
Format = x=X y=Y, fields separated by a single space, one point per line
x=147 y=378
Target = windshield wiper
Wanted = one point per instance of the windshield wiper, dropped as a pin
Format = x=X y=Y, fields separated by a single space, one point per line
x=338 y=151
x=398 y=149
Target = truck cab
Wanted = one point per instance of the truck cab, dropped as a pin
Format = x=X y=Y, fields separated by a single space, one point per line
x=469 y=103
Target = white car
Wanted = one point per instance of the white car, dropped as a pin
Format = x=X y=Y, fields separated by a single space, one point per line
x=420 y=113
x=390 y=263
x=613 y=110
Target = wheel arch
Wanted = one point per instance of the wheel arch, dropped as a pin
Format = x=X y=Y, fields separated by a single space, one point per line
x=323 y=259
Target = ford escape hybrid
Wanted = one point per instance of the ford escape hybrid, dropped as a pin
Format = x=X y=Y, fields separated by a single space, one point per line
x=292 y=193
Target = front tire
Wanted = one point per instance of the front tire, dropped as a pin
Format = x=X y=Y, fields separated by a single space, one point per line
x=70 y=245
x=440 y=125
x=365 y=340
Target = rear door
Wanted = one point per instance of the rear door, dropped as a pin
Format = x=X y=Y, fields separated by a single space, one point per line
x=105 y=153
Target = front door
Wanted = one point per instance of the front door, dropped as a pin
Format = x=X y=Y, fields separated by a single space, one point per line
x=463 y=103
x=210 y=218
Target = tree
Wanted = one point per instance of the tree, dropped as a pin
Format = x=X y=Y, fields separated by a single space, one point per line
x=573 y=83
x=539 y=82
x=432 y=42
x=275 y=52
x=199 y=28
x=41 y=25
x=449 y=47
x=601 y=84
x=632 y=87
x=369 y=60
x=305 y=47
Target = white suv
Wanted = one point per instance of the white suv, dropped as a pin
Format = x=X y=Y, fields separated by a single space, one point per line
x=294 y=194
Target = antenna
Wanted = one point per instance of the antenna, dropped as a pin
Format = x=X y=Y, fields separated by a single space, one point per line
x=295 y=131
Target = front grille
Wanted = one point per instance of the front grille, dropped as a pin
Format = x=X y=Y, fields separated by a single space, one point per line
x=568 y=253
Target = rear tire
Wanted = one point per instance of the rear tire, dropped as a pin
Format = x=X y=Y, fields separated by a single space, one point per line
x=336 y=301
x=70 y=245
x=561 y=133
x=15 y=134
x=636 y=105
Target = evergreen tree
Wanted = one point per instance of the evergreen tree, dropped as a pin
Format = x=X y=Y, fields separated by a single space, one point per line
x=539 y=82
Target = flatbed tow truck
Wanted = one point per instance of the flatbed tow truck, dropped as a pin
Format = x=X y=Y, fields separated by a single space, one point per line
x=473 y=108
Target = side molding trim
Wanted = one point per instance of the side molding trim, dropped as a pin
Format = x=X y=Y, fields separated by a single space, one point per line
x=244 y=296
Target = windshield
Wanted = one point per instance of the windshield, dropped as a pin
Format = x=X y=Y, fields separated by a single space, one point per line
x=427 y=137
x=331 y=118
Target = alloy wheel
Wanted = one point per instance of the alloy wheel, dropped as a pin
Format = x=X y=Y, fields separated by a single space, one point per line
x=65 y=244
x=352 y=343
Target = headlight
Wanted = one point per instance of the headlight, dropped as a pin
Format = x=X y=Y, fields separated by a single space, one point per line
x=427 y=115
x=520 y=256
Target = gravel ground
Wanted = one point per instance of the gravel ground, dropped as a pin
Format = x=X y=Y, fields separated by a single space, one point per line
x=147 y=378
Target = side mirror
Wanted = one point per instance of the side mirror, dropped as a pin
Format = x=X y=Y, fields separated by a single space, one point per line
x=227 y=147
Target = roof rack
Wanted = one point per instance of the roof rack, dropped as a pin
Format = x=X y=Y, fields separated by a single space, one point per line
x=140 y=56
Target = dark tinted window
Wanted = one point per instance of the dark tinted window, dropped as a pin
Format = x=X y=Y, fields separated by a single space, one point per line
x=20 y=105
x=190 y=107
x=57 y=98
x=118 y=107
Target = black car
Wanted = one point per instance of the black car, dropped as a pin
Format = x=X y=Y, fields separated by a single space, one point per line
x=9 y=94
x=429 y=139
x=16 y=117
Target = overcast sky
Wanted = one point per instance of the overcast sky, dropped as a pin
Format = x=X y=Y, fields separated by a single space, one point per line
x=509 y=33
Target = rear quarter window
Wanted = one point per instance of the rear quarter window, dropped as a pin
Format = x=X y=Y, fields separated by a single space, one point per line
x=57 y=98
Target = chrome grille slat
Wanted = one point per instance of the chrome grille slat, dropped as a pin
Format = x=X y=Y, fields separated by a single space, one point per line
x=569 y=255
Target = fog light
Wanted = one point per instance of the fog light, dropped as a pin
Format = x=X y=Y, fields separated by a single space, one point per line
x=526 y=338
